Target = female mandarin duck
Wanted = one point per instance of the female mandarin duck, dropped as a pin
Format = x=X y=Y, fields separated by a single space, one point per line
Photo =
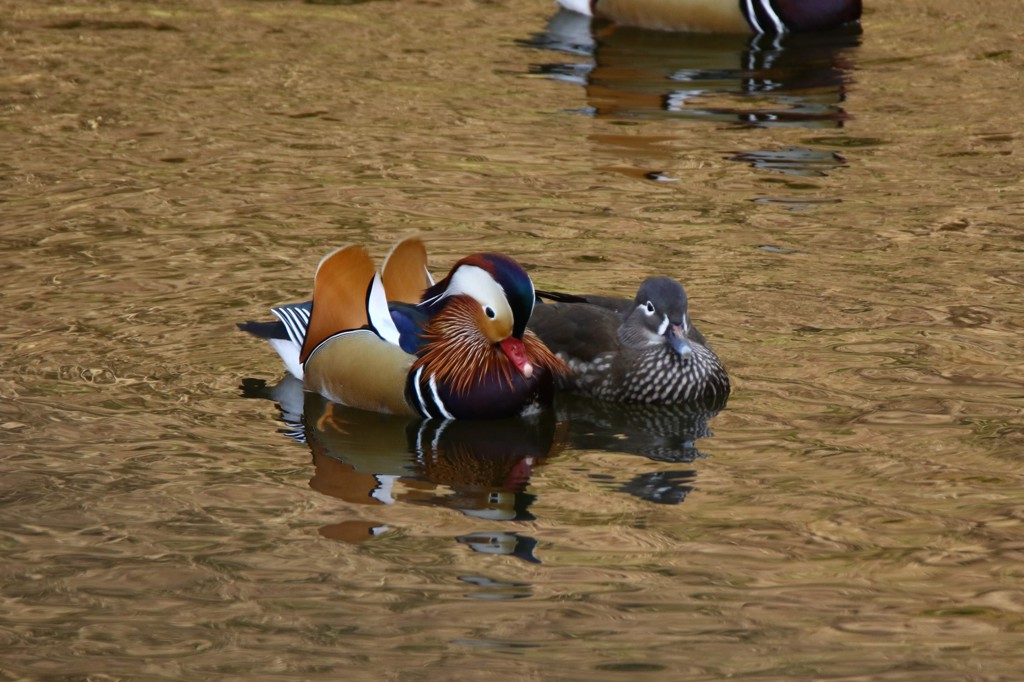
x=641 y=351
x=722 y=16
x=396 y=342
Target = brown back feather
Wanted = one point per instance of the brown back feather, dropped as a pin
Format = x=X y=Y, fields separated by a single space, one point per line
x=339 y=295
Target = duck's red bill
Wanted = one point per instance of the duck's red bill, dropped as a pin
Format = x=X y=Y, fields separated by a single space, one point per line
x=516 y=352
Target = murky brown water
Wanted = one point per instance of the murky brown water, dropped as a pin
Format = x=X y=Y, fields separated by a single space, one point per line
x=846 y=215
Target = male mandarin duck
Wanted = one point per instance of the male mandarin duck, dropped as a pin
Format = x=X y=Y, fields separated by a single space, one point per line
x=722 y=16
x=395 y=342
x=641 y=351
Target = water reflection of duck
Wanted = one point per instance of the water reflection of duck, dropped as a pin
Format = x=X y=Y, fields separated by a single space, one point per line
x=436 y=452
x=667 y=433
x=480 y=468
x=722 y=16
x=765 y=81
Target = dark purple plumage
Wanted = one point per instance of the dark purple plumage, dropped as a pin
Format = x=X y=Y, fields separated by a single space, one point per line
x=816 y=15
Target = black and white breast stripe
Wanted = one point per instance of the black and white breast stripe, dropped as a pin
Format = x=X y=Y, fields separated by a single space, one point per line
x=295 y=318
x=425 y=396
x=761 y=16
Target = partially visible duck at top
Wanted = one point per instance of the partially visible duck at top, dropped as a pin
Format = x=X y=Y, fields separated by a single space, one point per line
x=395 y=342
x=722 y=16
x=645 y=350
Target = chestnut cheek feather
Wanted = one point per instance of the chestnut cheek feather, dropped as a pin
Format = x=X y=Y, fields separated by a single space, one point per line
x=516 y=352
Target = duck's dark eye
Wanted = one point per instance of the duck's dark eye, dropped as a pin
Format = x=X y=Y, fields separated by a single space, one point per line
x=489 y=311
x=650 y=308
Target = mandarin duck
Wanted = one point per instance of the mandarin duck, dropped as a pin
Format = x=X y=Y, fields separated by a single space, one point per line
x=722 y=16
x=396 y=342
x=641 y=351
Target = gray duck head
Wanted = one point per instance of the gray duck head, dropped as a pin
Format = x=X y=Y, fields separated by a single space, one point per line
x=659 y=317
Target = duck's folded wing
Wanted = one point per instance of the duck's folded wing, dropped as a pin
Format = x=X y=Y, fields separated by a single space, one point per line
x=576 y=331
x=409 y=320
x=360 y=369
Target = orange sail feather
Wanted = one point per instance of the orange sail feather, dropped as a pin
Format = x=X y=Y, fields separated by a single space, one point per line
x=339 y=295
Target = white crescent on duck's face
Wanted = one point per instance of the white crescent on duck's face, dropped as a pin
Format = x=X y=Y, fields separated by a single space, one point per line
x=496 y=319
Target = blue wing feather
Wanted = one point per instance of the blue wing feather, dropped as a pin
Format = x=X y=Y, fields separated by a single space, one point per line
x=410 y=320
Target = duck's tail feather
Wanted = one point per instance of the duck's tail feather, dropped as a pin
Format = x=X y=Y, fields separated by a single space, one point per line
x=286 y=334
x=264 y=330
x=295 y=320
x=559 y=297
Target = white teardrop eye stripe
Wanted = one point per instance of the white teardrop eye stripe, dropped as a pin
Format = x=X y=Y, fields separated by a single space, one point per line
x=477 y=283
x=648 y=308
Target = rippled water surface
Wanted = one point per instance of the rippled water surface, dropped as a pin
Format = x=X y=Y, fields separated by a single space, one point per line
x=844 y=210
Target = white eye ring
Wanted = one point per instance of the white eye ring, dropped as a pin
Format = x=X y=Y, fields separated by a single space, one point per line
x=649 y=308
x=489 y=312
